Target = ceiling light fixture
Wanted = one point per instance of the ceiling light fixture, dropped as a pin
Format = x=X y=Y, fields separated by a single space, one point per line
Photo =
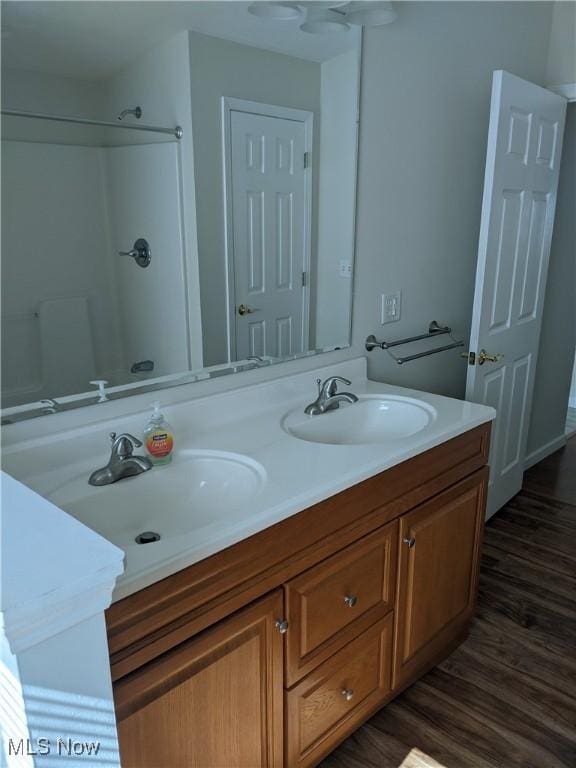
x=370 y=14
x=322 y=5
x=322 y=17
x=275 y=11
x=325 y=22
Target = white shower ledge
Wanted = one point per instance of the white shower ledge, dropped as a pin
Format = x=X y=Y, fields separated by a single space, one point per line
x=246 y=421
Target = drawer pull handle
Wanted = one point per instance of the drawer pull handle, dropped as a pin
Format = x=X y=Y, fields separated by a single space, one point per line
x=409 y=540
x=350 y=600
x=347 y=693
x=282 y=625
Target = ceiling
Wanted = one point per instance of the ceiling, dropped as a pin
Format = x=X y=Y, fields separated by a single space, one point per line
x=92 y=40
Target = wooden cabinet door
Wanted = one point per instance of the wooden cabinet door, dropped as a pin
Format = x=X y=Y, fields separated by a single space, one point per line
x=214 y=701
x=437 y=576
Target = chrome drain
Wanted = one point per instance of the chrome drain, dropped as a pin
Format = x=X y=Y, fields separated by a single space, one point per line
x=147 y=537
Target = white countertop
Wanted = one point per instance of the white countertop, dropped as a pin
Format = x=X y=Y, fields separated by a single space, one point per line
x=297 y=473
x=54 y=571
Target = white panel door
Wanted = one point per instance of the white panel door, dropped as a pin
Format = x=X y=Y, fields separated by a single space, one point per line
x=522 y=168
x=269 y=237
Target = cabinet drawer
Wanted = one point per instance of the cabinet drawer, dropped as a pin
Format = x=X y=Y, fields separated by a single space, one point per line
x=339 y=695
x=339 y=598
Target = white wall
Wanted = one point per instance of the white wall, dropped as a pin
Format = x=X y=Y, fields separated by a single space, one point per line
x=336 y=197
x=562 y=50
x=423 y=129
x=159 y=82
x=40 y=92
x=54 y=244
x=223 y=68
x=51 y=94
x=558 y=337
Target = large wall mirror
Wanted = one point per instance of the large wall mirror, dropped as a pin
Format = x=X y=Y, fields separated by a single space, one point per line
x=196 y=215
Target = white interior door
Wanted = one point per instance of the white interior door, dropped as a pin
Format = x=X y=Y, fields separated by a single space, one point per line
x=522 y=168
x=269 y=221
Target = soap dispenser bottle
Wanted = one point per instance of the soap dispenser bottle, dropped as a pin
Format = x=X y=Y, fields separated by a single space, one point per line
x=159 y=437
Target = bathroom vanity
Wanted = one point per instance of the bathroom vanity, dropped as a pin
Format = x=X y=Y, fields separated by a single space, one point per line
x=274 y=650
x=308 y=569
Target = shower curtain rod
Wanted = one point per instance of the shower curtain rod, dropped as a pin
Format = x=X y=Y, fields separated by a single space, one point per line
x=177 y=131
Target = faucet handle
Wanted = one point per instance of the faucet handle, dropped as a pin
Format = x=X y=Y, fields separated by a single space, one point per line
x=330 y=386
x=124 y=444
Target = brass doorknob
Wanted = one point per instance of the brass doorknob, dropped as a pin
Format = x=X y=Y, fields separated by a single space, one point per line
x=244 y=309
x=484 y=357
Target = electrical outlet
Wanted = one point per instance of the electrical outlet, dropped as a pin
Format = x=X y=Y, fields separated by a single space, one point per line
x=345 y=269
x=390 y=307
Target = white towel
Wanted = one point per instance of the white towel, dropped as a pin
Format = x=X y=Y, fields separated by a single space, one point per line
x=66 y=344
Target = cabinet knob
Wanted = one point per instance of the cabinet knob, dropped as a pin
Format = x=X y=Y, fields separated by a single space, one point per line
x=348 y=693
x=350 y=600
x=409 y=540
x=282 y=625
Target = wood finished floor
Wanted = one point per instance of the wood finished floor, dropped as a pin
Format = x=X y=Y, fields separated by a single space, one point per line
x=507 y=696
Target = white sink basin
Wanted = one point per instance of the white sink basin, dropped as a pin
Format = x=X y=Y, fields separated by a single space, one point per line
x=197 y=489
x=373 y=419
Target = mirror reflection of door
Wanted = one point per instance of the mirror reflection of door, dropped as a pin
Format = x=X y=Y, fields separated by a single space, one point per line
x=269 y=221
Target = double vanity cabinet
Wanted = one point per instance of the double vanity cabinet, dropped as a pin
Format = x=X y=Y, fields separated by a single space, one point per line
x=273 y=650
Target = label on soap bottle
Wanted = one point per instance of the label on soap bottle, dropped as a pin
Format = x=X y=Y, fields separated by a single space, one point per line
x=159 y=444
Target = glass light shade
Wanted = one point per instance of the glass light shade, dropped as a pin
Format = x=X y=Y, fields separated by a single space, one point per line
x=275 y=11
x=324 y=23
x=373 y=14
x=322 y=5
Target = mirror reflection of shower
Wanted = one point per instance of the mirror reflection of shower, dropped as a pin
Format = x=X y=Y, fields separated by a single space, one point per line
x=137 y=112
x=83 y=313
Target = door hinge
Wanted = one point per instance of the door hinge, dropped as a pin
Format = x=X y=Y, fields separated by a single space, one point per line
x=306 y=159
x=304 y=279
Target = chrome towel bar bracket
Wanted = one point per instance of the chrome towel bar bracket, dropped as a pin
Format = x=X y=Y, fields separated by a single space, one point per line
x=434 y=329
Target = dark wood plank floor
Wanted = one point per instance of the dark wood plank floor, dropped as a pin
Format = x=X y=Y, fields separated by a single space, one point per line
x=507 y=696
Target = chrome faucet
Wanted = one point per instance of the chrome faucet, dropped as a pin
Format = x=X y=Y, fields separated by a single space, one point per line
x=50 y=405
x=122 y=462
x=256 y=361
x=328 y=396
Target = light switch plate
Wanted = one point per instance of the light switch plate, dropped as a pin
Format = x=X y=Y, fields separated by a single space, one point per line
x=390 y=307
x=345 y=269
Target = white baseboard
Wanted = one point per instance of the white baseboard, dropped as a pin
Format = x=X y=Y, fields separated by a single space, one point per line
x=544 y=451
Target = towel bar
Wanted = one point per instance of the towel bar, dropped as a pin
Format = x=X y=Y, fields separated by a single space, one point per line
x=434 y=329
